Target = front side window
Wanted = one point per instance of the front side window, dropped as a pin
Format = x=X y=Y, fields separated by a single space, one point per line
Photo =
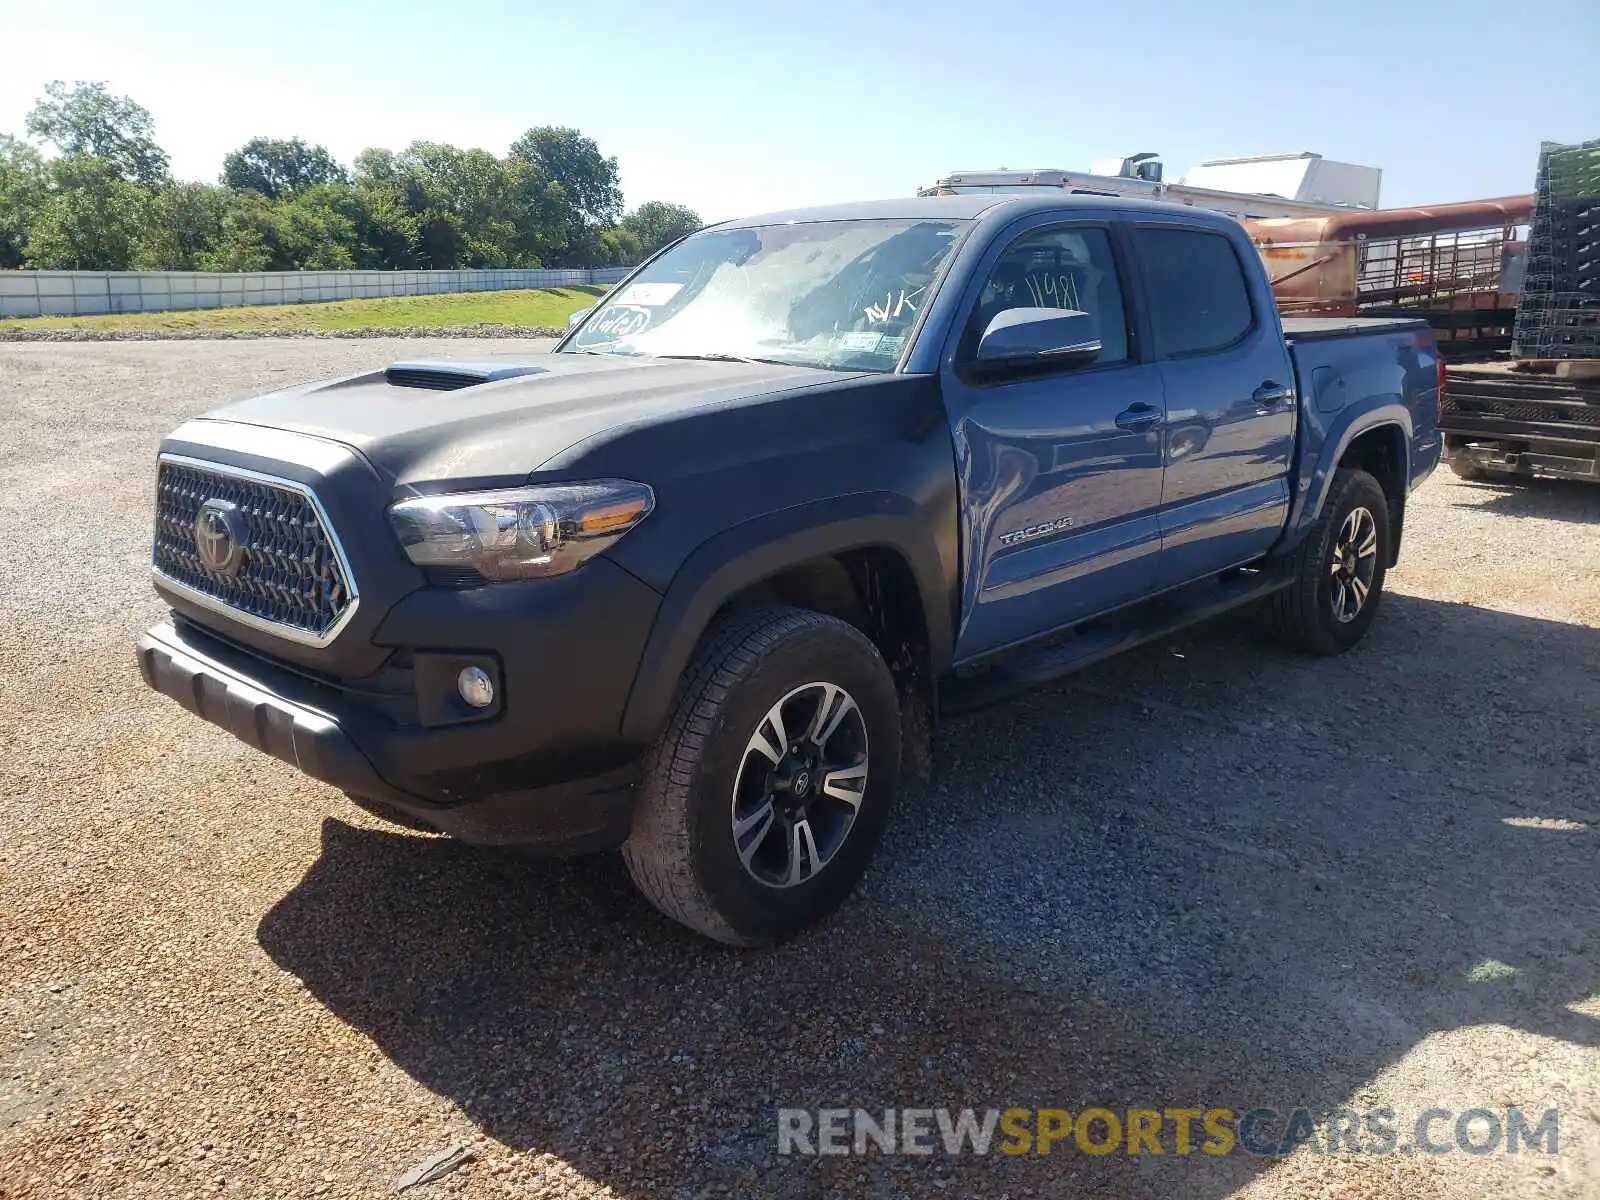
x=1055 y=268
x=1199 y=300
x=839 y=294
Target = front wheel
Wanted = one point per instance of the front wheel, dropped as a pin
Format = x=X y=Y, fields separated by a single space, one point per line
x=767 y=792
x=1339 y=570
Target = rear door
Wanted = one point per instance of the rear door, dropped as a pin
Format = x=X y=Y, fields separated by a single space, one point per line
x=1230 y=399
x=1060 y=472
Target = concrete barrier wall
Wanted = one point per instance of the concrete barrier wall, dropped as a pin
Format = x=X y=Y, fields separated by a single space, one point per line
x=86 y=293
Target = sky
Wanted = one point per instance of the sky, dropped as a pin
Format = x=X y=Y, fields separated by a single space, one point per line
x=747 y=107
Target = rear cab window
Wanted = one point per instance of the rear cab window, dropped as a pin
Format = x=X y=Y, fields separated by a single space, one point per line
x=1198 y=295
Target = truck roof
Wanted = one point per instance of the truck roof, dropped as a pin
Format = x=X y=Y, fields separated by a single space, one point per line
x=970 y=206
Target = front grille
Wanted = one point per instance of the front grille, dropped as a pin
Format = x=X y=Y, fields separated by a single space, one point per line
x=290 y=574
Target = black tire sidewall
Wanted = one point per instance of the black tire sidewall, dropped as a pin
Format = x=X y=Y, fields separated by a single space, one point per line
x=838 y=656
x=1361 y=491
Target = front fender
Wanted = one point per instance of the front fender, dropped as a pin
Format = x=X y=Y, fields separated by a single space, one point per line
x=763 y=547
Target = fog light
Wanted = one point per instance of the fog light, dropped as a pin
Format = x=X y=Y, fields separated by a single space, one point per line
x=475 y=686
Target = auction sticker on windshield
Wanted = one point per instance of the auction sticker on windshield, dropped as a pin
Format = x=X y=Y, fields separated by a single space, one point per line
x=650 y=295
x=622 y=320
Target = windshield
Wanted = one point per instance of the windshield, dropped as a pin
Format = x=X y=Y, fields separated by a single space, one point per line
x=841 y=294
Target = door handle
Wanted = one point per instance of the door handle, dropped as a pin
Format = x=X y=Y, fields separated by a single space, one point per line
x=1269 y=395
x=1138 y=416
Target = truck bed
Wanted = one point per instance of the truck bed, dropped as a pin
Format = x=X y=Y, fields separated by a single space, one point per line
x=1338 y=361
x=1314 y=329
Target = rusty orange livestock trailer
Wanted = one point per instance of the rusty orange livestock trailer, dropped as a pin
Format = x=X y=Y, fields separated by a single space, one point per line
x=1457 y=265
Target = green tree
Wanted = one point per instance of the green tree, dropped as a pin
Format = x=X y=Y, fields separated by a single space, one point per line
x=538 y=211
x=617 y=246
x=469 y=207
x=656 y=223
x=385 y=231
x=592 y=182
x=248 y=239
x=314 y=233
x=311 y=231
x=285 y=204
x=375 y=165
x=279 y=167
x=468 y=186
x=183 y=226
x=91 y=219
x=85 y=118
x=22 y=189
x=441 y=246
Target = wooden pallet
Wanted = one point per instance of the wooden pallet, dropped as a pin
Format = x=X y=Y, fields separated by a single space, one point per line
x=1561 y=368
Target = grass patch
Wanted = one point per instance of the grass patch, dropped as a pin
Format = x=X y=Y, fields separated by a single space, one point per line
x=1491 y=970
x=530 y=308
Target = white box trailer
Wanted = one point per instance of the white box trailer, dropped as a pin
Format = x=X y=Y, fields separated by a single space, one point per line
x=1272 y=185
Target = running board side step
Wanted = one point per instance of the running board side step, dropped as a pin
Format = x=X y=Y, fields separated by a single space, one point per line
x=1093 y=641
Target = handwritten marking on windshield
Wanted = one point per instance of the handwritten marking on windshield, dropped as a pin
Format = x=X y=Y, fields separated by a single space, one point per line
x=893 y=306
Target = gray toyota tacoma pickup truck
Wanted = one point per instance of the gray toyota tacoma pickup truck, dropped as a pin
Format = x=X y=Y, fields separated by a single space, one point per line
x=701 y=582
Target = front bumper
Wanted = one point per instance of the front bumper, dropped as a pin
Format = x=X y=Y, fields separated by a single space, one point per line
x=375 y=710
x=572 y=807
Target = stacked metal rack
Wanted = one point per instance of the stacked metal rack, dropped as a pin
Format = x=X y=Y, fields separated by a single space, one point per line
x=1559 y=313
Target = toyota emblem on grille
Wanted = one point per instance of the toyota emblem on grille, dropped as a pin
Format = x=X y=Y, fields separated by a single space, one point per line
x=220 y=536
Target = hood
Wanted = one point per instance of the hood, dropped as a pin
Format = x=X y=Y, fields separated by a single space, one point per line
x=529 y=412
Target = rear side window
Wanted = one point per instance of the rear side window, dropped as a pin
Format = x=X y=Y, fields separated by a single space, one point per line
x=1199 y=298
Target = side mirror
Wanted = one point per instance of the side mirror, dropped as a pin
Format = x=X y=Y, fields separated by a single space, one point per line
x=1022 y=338
x=576 y=318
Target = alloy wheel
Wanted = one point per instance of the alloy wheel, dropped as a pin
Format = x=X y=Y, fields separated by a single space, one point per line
x=1353 y=565
x=799 y=785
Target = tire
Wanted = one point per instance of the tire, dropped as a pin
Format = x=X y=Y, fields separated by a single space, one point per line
x=706 y=773
x=1311 y=614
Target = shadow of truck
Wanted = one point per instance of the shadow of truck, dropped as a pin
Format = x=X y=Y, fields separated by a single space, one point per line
x=1205 y=874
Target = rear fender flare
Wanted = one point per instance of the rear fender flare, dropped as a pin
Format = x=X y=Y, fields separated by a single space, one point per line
x=759 y=549
x=1337 y=438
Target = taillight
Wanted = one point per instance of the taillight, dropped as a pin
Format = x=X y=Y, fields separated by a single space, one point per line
x=1438 y=395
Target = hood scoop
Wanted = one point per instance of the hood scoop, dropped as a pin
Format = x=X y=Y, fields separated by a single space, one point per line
x=452 y=376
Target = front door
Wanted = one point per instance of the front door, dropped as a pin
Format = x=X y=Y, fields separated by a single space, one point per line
x=1060 y=473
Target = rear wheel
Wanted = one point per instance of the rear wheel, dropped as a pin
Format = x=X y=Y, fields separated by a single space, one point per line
x=767 y=792
x=1339 y=570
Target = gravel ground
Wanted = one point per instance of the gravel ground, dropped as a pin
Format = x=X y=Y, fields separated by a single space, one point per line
x=1206 y=874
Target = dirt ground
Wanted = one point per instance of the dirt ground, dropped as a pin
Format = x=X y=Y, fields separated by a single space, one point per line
x=1208 y=874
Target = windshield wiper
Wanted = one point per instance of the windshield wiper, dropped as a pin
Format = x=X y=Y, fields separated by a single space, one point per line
x=719 y=357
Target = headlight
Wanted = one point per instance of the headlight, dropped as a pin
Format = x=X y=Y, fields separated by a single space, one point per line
x=520 y=533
